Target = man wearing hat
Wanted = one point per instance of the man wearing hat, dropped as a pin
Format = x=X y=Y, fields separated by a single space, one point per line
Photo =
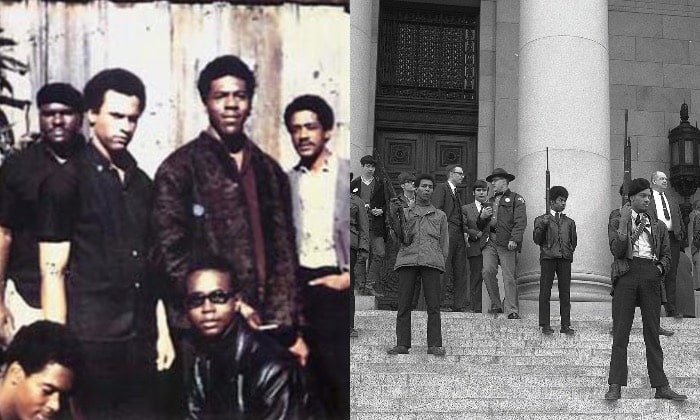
x=641 y=247
x=60 y=117
x=371 y=191
x=506 y=218
x=446 y=198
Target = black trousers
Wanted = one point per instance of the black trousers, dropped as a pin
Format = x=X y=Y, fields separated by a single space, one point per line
x=353 y=261
x=456 y=268
x=562 y=268
x=328 y=338
x=639 y=285
x=476 y=280
x=670 y=281
x=118 y=380
x=431 y=290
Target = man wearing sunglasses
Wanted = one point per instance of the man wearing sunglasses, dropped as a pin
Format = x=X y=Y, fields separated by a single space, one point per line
x=446 y=198
x=237 y=372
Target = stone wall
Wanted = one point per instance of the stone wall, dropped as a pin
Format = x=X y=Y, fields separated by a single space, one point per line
x=654 y=67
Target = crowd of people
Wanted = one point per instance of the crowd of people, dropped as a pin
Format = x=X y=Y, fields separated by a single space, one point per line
x=441 y=239
x=220 y=289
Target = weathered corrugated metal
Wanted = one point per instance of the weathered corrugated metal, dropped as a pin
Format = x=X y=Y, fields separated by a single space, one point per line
x=293 y=49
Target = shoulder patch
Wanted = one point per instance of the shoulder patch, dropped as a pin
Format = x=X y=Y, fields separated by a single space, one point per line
x=522 y=200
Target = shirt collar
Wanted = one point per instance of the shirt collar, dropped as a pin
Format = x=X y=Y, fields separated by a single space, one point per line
x=101 y=162
x=329 y=162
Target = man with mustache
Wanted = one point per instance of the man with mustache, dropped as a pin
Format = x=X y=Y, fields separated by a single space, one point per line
x=321 y=202
x=60 y=117
x=93 y=239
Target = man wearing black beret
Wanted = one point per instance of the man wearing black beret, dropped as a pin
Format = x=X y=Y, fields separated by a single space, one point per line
x=60 y=117
x=642 y=252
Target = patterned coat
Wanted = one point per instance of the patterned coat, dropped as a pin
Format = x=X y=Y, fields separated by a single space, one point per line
x=200 y=210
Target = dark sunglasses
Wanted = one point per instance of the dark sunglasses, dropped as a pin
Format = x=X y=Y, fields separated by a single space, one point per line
x=195 y=300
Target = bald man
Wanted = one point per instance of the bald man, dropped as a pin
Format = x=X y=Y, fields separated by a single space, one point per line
x=665 y=209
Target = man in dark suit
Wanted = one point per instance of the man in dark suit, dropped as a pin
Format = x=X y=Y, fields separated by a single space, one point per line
x=445 y=198
x=477 y=241
x=665 y=209
x=371 y=190
x=642 y=252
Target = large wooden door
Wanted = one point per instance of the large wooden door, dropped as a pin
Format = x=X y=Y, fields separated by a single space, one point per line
x=427 y=152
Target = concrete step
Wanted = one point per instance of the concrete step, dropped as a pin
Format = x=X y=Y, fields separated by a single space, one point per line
x=518 y=406
x=370 y=353
x=500 y=368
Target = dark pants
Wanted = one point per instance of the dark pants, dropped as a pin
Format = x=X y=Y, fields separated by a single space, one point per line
x=353 y=261
x=562 y=268
x=328 y=338
x=455 y=268
x=639 y=285
x=476 y=264
x=416 y=293
x=431 y=291
x=118 y=380
x=670 y=281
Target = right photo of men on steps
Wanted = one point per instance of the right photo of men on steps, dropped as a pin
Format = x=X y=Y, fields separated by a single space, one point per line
x=560 y=147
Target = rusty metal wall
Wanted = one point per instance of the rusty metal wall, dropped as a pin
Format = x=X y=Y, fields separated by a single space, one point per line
x=293 y=49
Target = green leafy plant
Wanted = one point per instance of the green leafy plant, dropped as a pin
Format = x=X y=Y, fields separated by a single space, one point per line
x=8 y=64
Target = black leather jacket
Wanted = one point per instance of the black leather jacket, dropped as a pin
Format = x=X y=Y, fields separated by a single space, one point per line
x=245 y=375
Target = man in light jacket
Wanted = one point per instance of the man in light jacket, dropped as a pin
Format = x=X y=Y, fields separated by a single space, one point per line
x=423 y=251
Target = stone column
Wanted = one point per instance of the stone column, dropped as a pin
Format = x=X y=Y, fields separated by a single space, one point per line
x=360 y=48
x=564 y=104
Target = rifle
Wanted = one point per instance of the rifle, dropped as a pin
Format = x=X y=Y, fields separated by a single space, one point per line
x=627 y=177
x=548 y=205
x=390 y=192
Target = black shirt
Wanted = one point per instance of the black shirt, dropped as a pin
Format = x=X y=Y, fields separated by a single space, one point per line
x=20 y=178
x=110 y=295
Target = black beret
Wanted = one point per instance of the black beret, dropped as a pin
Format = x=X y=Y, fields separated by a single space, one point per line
x=61 y=93
x=637 y=185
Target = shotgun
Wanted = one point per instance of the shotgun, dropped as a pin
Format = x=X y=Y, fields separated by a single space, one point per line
x=548 y=205
x=627 y=177
x=390 y=192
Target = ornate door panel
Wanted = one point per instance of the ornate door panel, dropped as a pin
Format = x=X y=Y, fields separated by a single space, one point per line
x=448 y=149
x=428 y=153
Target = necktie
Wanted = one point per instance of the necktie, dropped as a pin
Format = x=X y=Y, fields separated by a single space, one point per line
x=641 y=225
x=663 y=203
x=556 y=217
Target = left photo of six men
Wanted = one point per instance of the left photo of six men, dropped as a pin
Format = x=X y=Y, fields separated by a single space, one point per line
x=175 y=236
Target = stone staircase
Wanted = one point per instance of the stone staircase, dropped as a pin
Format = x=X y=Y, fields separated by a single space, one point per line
x=506 y=369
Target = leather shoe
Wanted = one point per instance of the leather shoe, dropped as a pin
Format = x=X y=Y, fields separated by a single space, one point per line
x=565 y=329
x=437 y=351
x=613 y=392
x=397 y=350
x=678 y=315
x=663 y=331
x=547 y=330
x=445 y=309
x=665 y=392
x=353 y=333
x=514 y=316
x=372 y=292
